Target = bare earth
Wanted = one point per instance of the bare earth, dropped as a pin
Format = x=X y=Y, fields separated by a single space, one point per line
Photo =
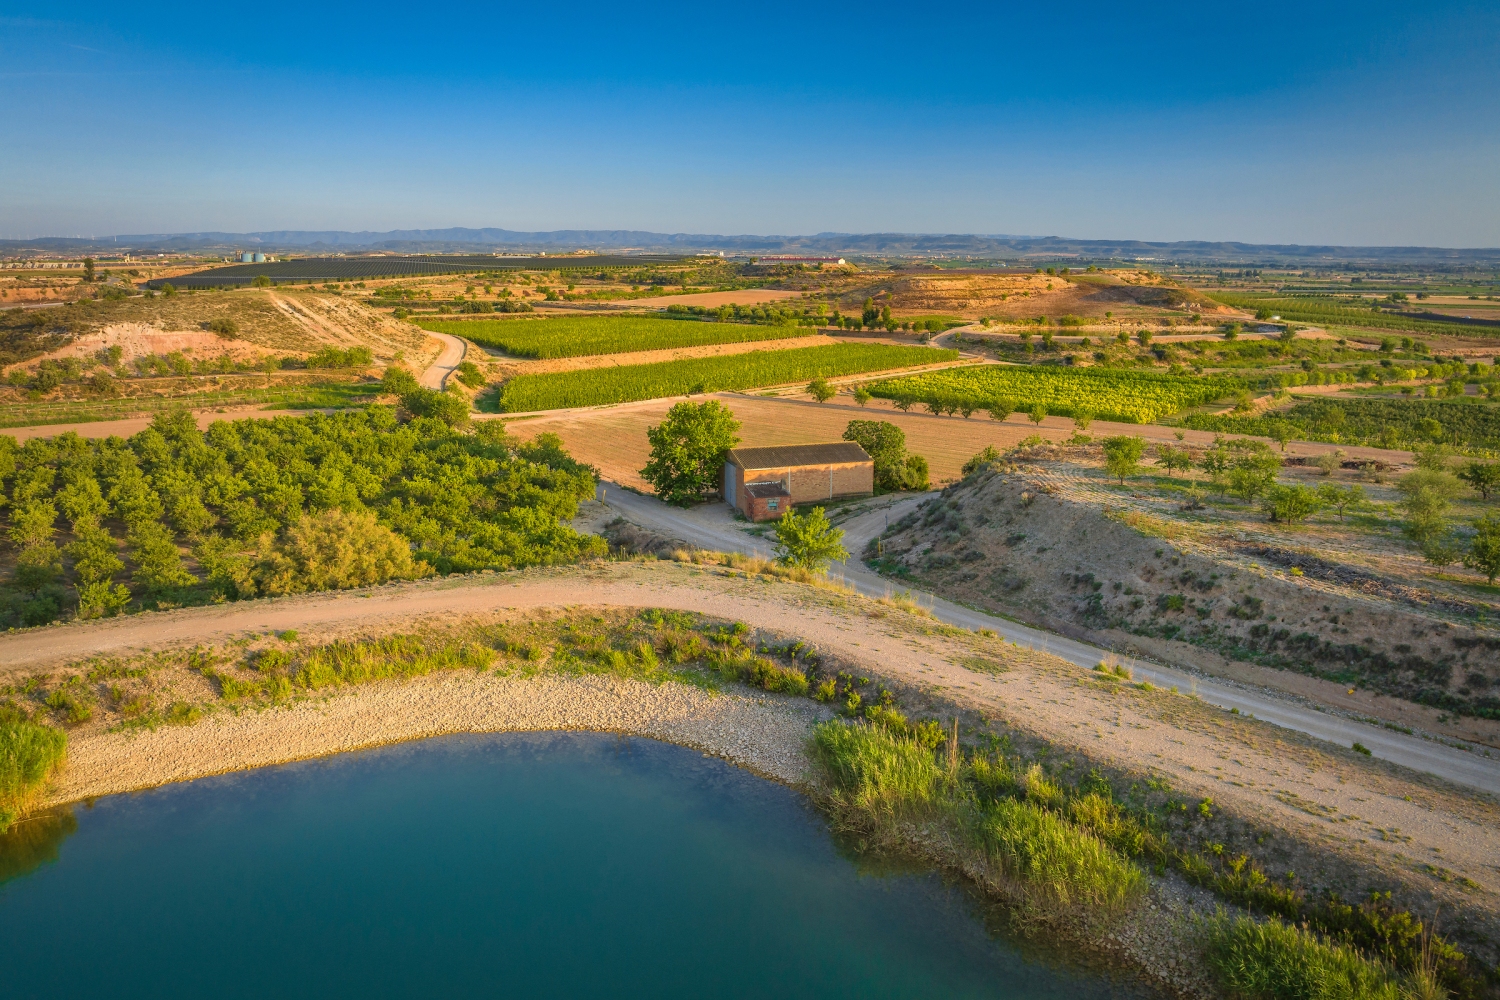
x=1334 y=803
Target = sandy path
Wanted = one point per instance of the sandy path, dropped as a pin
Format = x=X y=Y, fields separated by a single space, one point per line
x=436 y=375
x=1332 y=800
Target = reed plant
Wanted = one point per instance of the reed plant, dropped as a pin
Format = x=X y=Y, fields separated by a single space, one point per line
x=1275 y=959
x=29 y=754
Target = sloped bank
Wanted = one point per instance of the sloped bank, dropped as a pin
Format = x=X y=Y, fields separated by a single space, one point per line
x=1009 y=540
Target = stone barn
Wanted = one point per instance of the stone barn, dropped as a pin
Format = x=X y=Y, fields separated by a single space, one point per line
x=764 y=482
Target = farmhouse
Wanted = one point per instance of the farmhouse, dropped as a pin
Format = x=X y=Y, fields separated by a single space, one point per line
x=764 y=482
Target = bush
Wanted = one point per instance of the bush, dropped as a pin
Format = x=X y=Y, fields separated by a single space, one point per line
x=1122 y=455
x=223 y=326
x=469 y=374
x=808 y=541
x=335 y=550
x=449 y=407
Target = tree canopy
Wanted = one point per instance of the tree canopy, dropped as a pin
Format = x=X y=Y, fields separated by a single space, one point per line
x=688 y=449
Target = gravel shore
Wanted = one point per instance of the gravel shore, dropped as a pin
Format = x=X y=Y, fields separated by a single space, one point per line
x=762 y=732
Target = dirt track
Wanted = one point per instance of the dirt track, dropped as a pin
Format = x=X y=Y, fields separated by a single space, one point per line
x=1332 y=800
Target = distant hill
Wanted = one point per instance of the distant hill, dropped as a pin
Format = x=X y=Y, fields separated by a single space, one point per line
x=458 y=240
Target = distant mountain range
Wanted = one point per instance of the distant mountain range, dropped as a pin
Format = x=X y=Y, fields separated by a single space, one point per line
x=1027 y=248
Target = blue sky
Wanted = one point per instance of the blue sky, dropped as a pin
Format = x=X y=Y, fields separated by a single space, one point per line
x=1309 y=123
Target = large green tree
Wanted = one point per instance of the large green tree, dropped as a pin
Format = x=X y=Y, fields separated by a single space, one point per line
x=885 y=443
x=687 y=450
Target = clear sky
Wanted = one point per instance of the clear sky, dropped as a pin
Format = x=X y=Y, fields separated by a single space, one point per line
x=1351 y=123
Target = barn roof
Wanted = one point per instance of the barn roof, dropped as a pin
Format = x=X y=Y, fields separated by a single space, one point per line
x=790 y=455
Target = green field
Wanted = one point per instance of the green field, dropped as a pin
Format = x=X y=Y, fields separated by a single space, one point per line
x=1329 y=311
x=1137 y=397
x=1390 y=423
x=575 y=336
x=602 y=386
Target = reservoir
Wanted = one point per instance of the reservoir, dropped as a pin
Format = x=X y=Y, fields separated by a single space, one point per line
x=510 y=865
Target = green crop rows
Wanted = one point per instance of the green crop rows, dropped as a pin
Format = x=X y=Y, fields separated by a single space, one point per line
x=573 y=336
x=1111 y=394
x=602 y=386
x=1389 y=423
x=1346 y=312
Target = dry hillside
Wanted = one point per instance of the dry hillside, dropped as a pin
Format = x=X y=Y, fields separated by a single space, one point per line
x=1028 y=541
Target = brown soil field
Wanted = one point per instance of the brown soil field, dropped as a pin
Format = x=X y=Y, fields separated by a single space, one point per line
x=134 y=425
x=614 y=438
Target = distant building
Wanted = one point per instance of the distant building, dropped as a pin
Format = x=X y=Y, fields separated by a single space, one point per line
x=764 y=482
x=786 y=259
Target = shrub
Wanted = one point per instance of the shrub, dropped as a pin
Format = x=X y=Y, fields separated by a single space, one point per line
x=223 y=326
x=808 y=541
x=334 y=550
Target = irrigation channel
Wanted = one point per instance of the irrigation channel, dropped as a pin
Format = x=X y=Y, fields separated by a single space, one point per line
x=535 y=864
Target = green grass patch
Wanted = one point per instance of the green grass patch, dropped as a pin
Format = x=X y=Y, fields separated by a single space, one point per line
x=1273 y=960
x=575 y=336
x=627 y=383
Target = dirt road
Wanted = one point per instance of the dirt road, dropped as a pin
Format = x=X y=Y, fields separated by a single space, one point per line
x=1330 y=799
x=436 y=376
x=712 y=527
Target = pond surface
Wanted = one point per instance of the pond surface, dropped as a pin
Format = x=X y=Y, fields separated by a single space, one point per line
x=512 y=865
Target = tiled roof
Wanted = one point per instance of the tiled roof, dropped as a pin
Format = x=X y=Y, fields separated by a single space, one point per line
x=789 y=455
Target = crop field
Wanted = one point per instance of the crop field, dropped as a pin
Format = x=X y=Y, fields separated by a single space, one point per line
x=307 y=269
x=1329 y=311
x=576 y=336
x=1380 y=423
x=1134 y=397
x=627 y=383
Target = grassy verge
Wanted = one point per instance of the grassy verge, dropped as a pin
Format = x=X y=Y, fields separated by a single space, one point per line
x=29 y=754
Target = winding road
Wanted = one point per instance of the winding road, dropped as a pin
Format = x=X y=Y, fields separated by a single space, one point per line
x=713 y=527
x=436 y=375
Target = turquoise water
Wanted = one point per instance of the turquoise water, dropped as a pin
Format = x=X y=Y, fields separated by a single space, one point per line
x=515 y=865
